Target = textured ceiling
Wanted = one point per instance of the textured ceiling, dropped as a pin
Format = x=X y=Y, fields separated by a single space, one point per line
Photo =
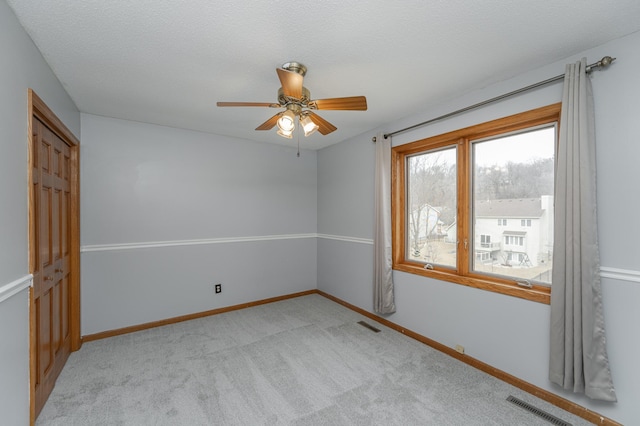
x=168 y=62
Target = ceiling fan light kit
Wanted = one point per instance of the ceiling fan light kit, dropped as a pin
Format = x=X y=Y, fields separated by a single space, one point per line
x=297 y=102
x=287 y=121
x=285 y=134
x=308 y=125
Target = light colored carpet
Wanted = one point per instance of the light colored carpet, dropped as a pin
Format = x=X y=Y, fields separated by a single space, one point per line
x=302 y=361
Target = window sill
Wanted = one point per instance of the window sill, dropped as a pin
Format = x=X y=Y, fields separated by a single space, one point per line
x=538 y=293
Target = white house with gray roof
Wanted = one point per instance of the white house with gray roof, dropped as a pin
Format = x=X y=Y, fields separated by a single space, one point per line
x=514 y=232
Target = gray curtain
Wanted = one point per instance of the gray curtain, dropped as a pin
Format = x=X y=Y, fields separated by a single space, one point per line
x=383 y=298
x=578 y=355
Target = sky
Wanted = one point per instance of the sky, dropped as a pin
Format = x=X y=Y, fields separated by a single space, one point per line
x=517 y=148
x=523 y=147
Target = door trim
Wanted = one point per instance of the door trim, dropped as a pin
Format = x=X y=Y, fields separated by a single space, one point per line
x=37 y=108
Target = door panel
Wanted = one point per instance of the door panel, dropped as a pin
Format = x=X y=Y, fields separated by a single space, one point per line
x=46 y=199
x=64 y=308
x=64 y=239
x=55 y=224
x=51 y=295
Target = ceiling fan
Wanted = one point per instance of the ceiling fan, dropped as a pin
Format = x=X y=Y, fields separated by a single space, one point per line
x=296 y=101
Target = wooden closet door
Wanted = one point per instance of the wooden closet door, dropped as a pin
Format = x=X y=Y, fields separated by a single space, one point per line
x=51 y=293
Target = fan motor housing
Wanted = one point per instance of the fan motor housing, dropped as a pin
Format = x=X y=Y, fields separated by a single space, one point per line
x=303 y=101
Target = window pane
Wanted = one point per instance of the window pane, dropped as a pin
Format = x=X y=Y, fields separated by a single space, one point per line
x=431 y=207
x=513 y=182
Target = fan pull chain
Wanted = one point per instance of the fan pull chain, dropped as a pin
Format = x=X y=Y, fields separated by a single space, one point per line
x=298 y=135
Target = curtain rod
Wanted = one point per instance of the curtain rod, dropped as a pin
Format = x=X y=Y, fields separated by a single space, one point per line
x=604 y=62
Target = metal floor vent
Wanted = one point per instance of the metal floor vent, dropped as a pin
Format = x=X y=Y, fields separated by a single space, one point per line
x=538 y=412
x=369 y=326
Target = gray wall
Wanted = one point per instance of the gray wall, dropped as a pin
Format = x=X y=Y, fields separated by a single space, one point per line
x=505 y=332
x=22 y=67
x=199 y=209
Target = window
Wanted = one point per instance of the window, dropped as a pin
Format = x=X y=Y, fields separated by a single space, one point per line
x=512 y=240
x=483 y=256
x=453 y=196
x=515 y=257
x=431 y=204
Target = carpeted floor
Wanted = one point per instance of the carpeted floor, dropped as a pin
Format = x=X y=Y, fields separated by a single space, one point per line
x=302 y=361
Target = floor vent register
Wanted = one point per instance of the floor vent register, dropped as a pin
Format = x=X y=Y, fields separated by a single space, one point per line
x=538 y=412
x=369 y=326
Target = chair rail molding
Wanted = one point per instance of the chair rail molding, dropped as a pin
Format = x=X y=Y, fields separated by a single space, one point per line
x=175 y=243
x=6 y=291
x=620 y=274
x=346 y=238
x=15 y=287
x=225 y=240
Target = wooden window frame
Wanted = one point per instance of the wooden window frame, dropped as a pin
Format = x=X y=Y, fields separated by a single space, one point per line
x=463 y=274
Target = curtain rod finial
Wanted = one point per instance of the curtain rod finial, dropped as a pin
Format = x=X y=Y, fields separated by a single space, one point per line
x=606 y=61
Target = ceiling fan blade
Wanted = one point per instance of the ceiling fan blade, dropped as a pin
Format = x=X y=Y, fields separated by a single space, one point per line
x=291 y=83
x=247 y=104
x=268 y=125
x=353 y=103
x=324 y=126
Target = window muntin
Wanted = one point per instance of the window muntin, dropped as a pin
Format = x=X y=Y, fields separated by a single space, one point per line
x=470 y=254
